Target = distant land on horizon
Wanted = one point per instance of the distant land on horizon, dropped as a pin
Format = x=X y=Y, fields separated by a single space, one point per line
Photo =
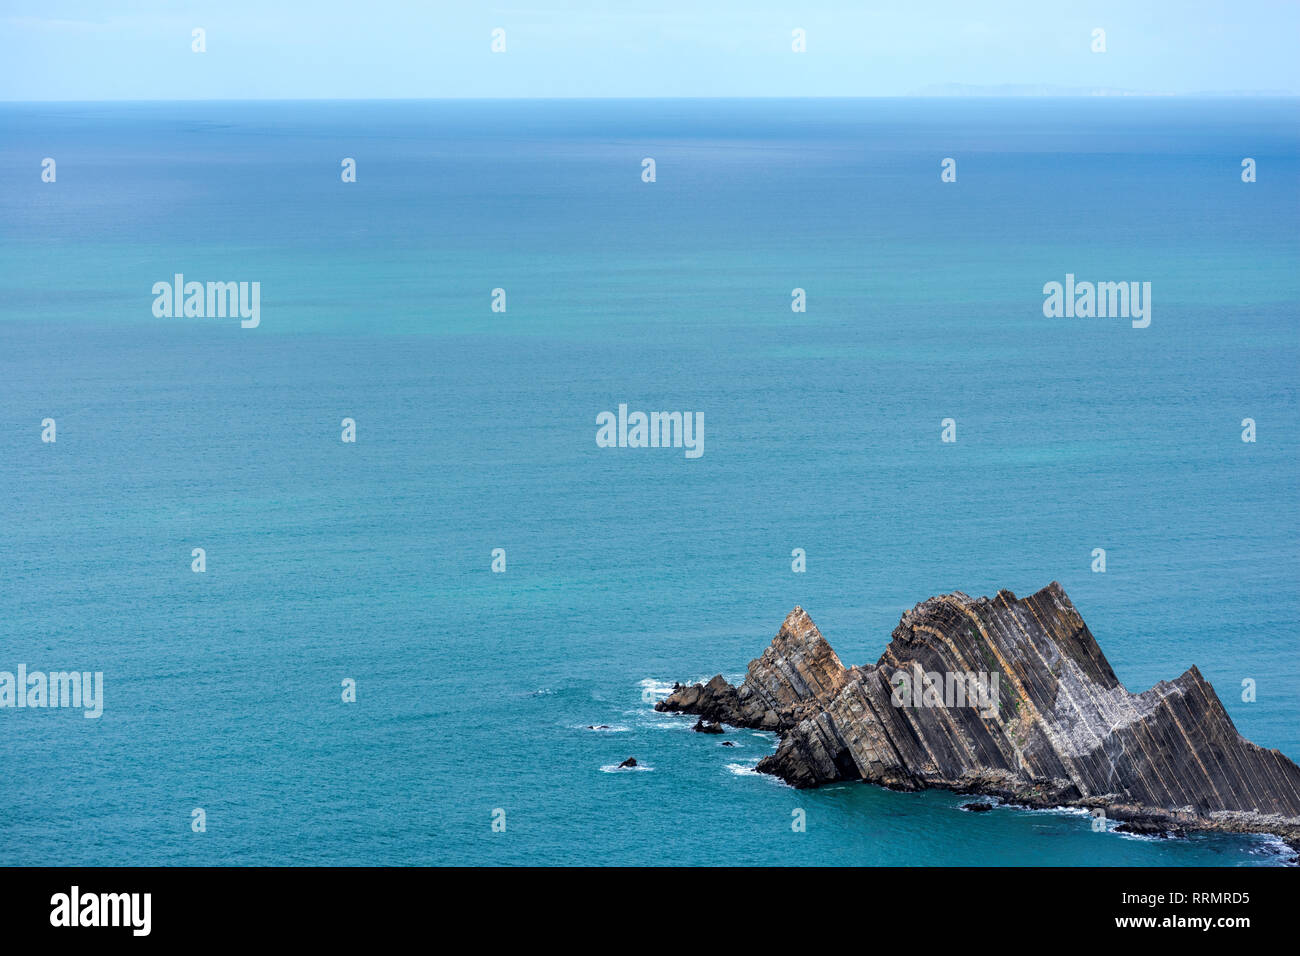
x=1040 y=89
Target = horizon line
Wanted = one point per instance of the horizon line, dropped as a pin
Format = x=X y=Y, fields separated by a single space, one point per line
x=1109 y=95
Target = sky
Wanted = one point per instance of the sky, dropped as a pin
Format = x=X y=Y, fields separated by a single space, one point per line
x=330 y=49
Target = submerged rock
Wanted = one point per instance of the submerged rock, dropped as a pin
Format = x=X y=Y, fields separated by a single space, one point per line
x=1149 y=826
x=629 y=762
x=1010 y=698
x=977 y=807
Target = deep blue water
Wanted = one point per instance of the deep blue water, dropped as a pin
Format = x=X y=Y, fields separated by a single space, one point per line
x=476 y=431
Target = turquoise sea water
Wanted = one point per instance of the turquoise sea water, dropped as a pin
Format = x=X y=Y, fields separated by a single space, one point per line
x=626 y=568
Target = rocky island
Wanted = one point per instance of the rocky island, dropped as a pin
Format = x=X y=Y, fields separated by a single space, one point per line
x=1010 y=698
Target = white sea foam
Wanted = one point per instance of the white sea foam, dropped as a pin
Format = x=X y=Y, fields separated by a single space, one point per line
x=666 y=687
x=1058 y=811
x=1144 y=837
x=615 y=768
x=1272 y=846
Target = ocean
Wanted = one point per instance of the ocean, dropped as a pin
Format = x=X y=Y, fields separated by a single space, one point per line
x=625 y=568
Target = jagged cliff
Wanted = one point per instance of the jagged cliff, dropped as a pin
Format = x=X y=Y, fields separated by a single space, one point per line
x=1006 y=697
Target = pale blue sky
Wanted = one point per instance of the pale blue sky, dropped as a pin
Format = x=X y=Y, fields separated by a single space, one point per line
x=140 y=49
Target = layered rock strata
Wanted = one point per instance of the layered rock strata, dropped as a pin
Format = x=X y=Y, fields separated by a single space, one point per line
x=1007 y=697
